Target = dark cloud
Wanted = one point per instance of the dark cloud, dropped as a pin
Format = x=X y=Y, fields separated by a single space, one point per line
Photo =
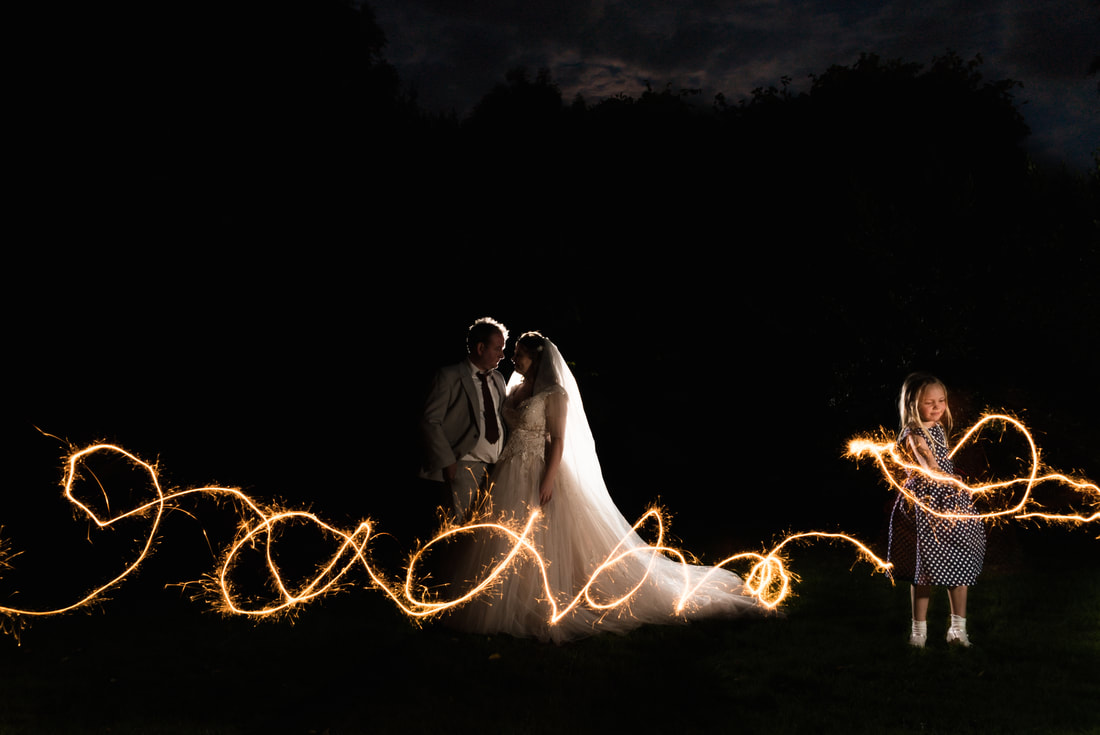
x=454 y=52
x=1055 y=40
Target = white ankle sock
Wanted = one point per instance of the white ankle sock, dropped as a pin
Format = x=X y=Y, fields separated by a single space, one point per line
x=958 y=623
x=920 y=628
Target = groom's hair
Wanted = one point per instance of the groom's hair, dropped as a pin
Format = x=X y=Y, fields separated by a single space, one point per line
x=482 y=330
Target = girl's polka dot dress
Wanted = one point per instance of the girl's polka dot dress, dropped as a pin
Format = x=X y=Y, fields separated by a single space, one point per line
x=924 y=548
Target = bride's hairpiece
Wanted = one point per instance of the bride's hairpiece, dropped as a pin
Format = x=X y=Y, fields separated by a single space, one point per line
x=533 y=342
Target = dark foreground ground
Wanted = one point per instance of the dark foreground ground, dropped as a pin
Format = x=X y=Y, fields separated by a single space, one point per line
x=837 y=662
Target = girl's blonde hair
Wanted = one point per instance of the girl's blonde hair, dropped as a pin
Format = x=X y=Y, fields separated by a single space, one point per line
x=909 y=401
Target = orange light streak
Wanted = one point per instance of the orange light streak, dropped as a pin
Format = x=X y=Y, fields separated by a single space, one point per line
x=768 y=579
x=887 y=453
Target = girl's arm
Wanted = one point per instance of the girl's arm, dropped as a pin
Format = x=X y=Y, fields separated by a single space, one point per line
x=557 y=406
x=920 y=450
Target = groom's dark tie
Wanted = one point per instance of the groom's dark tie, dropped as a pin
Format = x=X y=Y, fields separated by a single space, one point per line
x=492 y=428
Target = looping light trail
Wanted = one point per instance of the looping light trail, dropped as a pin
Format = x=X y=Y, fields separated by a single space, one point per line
x=768 y=580
x=259 y=529
x=893 y=459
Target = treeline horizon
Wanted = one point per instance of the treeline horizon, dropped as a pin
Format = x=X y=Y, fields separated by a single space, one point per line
x=288 y=98
x=878 y=150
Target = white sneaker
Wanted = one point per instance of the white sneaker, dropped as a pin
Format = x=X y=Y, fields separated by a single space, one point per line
x=916 y=640
x=958 y=637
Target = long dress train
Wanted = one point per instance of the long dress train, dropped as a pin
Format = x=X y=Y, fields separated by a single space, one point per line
x=577 y=531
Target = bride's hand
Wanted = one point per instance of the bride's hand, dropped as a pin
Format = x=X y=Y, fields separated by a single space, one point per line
x=546 y=491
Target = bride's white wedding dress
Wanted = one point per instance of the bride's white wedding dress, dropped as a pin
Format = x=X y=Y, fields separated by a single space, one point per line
x=578 y=530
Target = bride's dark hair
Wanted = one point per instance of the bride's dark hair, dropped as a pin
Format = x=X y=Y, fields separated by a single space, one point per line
x=542 y=374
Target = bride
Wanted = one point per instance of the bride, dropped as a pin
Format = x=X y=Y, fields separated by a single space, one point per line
x=549 y=466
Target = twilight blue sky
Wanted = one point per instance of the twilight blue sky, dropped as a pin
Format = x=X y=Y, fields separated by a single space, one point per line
x=453 y=52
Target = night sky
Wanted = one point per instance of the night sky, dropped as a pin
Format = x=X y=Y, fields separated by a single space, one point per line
x=453 y=53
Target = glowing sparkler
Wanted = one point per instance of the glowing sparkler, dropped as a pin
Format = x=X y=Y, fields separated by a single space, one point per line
x=890 y=459
x=768 y=579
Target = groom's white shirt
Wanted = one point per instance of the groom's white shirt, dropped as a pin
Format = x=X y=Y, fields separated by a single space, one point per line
x=483 y=450
x=453 y=423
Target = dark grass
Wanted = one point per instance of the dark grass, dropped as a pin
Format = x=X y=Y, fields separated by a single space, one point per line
x=838 y=661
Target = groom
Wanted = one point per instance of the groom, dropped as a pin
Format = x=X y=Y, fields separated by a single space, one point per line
x=461 y=427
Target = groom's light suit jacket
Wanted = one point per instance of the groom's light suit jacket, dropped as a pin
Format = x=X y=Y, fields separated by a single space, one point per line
x=449 y=427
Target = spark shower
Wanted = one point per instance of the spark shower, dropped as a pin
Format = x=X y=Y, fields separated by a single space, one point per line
x=260 y=528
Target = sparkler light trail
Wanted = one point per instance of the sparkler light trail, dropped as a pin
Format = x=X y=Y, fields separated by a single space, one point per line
x=768 y=580
x=891 y=460
x=260 y=528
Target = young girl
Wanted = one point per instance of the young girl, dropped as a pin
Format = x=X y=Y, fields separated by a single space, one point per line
x=925 y=548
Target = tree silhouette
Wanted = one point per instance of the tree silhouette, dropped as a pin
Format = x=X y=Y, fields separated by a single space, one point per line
x=519 y=103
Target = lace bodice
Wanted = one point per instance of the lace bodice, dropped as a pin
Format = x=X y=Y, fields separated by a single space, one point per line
x=527 y=427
